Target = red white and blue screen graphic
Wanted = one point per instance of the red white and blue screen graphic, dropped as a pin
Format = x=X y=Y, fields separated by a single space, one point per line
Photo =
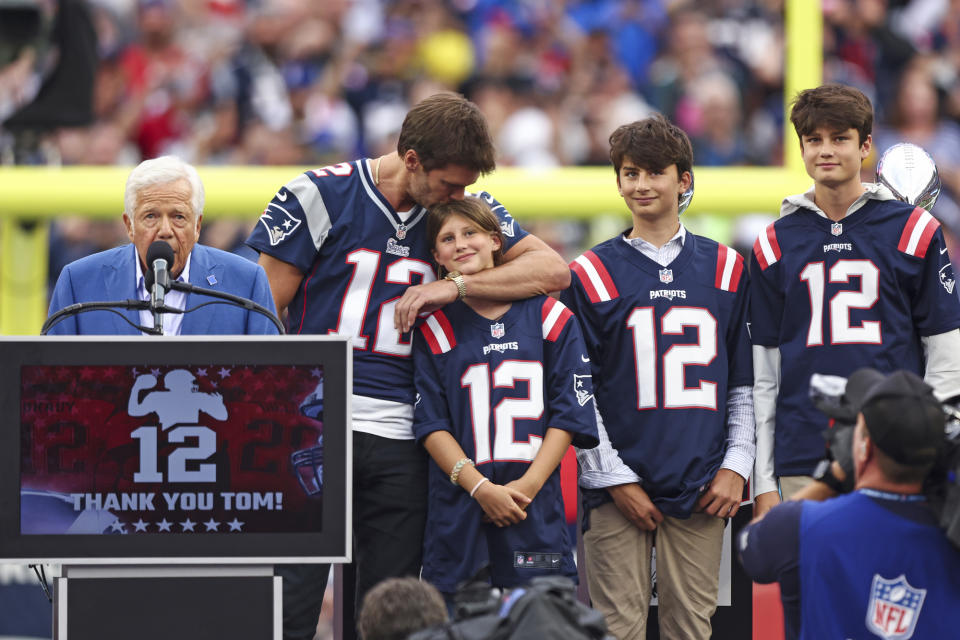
x=155 y=450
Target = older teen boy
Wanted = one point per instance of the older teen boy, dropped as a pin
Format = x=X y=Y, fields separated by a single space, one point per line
x=847 y=277
x=664 y=317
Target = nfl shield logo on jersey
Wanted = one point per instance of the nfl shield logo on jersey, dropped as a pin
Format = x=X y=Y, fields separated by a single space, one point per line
x=836 y=228
x=666 y=276
x=894 y=607
x=497 y=330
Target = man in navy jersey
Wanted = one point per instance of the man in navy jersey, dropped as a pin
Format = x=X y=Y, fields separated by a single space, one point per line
x=342 y=246
x=664 y=317
x=872 y=563
x=847 y=277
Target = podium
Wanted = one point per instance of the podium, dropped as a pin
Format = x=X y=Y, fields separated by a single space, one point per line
x=159 y=603
x=168 y=476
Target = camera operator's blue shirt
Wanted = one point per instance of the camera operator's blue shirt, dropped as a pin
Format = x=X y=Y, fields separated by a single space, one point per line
x=857 y=566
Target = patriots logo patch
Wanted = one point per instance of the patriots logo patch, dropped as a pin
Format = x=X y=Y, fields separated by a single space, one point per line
x=579 y=388
x=946 y=278
x=279 y=223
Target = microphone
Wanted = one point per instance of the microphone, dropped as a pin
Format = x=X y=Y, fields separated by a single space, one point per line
x=157 y=276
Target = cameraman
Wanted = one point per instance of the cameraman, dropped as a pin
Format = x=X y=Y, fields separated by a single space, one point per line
x=873 y=562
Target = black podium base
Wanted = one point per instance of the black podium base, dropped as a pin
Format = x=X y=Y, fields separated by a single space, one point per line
x=161 y=603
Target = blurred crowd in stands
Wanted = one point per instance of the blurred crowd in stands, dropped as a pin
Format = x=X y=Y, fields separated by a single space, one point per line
x=303 y=82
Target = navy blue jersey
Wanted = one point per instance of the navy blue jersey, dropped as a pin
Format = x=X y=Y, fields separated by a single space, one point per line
x=867 y=572
x=357 y=257
x=835 y=297
x=497 y=386
x=665 y=345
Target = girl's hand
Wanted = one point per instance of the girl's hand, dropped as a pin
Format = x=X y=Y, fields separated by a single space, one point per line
x=526 y=488
x=503 y=505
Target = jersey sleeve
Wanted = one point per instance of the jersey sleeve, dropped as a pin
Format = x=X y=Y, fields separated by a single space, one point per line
x=569 y=384
x=512 y=232
x=739 y=347
x=936 y=305
x=766 y=294
x=295 y=222
x=430 y=410
x=577 y=300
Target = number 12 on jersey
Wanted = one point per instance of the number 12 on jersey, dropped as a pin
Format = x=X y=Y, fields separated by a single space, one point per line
x=676 y=395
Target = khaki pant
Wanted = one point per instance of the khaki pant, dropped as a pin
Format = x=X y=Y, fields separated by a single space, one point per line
x=688 y=573
x=789 y=485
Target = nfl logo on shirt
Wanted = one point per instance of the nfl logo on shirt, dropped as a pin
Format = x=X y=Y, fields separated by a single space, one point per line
x=894 y=607
x=666 y=276
x=836 y=228
x=497 y=330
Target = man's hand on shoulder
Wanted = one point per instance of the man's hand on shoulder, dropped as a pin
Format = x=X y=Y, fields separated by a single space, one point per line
x=422 y=298
x=723 y=494
x=636 y=506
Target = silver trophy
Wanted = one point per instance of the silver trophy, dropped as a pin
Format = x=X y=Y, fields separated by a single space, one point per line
x=910 y=173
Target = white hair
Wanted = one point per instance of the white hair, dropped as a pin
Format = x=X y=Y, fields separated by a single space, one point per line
x=162 y=170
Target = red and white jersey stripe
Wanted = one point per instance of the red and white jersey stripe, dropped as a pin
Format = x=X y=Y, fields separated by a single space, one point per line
x=916 y=236
x=729 y=268
x=766 y=248
x=438 y=333
x=595 y=278
x=555 y=317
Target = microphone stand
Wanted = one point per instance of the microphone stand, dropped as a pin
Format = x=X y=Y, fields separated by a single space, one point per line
x=238 y=301
x=157 y=329
x=83 y=307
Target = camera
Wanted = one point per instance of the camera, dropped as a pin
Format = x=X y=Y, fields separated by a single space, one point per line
x=942 y=486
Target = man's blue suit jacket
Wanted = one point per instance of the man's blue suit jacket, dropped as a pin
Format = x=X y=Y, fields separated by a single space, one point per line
x=110 y=275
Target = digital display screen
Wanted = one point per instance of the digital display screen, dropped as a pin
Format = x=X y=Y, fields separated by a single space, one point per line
x=170 y=449
x=194 y=449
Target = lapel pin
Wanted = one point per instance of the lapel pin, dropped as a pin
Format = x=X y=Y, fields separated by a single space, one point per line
x=212 y=280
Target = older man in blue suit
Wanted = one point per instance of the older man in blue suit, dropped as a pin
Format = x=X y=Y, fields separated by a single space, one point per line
x=163 y=200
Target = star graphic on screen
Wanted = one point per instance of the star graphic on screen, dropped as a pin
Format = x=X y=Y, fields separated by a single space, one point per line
x=134 y=371
x=202 y=373
x=116 y=525
x=187 y=524
x=163 y=525
x=316 y=373
x=224 y=372
x=155 y=371
x=235 y=525
x=140 y=525
x=211 y=524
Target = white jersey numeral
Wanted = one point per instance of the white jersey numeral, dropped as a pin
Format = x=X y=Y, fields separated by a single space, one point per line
x=476 y=379
x=676 y=395
x=357 y=297
x=841 y=330
x=353 y=311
